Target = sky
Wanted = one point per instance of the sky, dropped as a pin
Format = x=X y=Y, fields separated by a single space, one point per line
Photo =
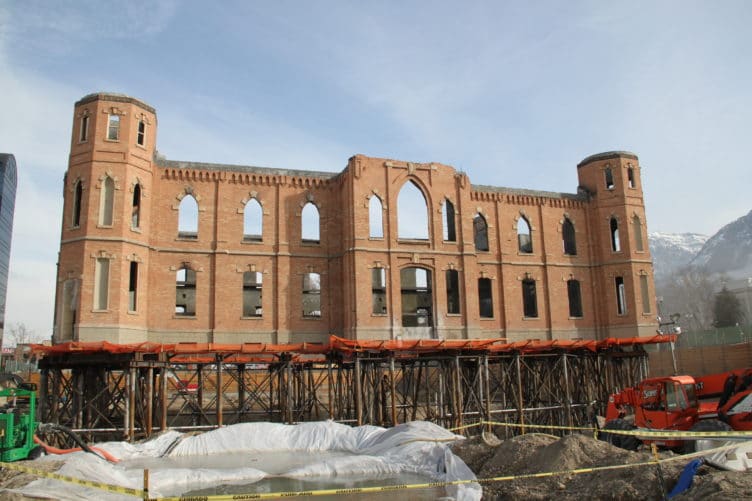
x=514 y=94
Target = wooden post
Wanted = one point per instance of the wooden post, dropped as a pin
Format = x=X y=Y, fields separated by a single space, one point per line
x=163 y=396
x=219 y=390
x=132 y=399
x=149 y=400
x=568 y=392
x=358 y=393
x=392 y=390
x=486 y=377
x=520 y=402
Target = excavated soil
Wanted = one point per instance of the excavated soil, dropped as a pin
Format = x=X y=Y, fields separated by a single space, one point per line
x=536 y=453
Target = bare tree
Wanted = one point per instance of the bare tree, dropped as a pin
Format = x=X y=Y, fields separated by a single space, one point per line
x=18 y=333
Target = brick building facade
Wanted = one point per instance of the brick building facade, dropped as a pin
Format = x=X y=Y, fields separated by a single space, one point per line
x=165 y=251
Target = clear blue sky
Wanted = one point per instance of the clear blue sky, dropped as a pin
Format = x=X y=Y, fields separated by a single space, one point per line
x=513 y=93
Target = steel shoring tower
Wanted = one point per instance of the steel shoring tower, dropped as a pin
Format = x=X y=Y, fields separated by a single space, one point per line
x=130 y=392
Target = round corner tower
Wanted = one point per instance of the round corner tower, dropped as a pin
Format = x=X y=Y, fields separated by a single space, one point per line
x=103 y=259
x=624 y=284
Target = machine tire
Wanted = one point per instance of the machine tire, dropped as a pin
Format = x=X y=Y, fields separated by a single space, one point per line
x=701 y=444
x=35 y=453
x=627 y=442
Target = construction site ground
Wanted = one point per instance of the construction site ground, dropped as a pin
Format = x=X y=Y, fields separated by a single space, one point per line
x=535 y=453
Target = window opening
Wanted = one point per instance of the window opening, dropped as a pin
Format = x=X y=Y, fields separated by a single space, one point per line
x=480 y=232
x=447 y=212
x=621 y=296
x=84 y=133
x=101 y=283
x=310 y=231
x=615 y=243
x=136 y=210
x=375 y=218
x=609 y=178
x=637 y=227
x=575 y=298
x=529 y=299
x=252 y=283
x=253 y=216
x=106 y=201
x=630 y=177
x=133 y=286
x=524 y=240
x=77 y=195
x=412 y=213
x=644 y=293
x=485 y=298
x=185 y=292
x=188 y=218
x=312 y=295
x=569 y=238
x=113 y=128
x=141 y=136
x=453 y=291
x=378 y=290
x=417 y=297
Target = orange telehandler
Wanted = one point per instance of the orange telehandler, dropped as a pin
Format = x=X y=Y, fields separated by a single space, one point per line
x=719 y=402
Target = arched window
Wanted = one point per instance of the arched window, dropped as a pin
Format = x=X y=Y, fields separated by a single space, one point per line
x=568 y=237
x=615 y=243
x=77 y=196
x=375 y=218
x=185 y=292
x=637 y=228
x=524 y=240
x=136 y=210
x=252 y=281
x=609 y=178
x=480 y=232
x=631 y=177
x=453 y=292
x=621 y=296
x=447 y=212
x=529 y=299
x=252 y=221
x=417 y=297
x=311 y=295
x=188 y=218
x=106 y=200
x=412 y=213
x=575 y=298
x=310 y=224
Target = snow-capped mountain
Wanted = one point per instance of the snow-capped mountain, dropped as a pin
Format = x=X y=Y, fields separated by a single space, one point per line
x=672 y=251
x=729 y=251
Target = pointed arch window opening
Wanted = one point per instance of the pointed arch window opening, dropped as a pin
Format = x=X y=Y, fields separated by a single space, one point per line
x=637 y=228
x=524 y=238
x=609 y=178
x=310 y=224
x=136 y=208
x=631 y=178
x=375 y=218
x=615 y=240
x=77 y=199
x=188 y=218
x=453 y=292
x=253 y=216
x=185 y=292
x=569 y=238
x=106 y=202
x=412 y=213
x=141 y=133
x=448 y=218
x=480 y=232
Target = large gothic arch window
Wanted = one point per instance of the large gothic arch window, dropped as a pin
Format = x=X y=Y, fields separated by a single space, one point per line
x=375 y=218
x=524 y=238
x=417 y=297
x=412 y=213
x=252 y=221
x=310 y=230
x=106 y=201
x=568 y=237
x=188 y=218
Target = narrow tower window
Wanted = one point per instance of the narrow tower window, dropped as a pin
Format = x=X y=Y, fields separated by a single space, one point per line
x=311 y=225
x=136 y=209
x=311 y=295
x=188 y=218
x=113 y=128
x=630 y=177
x=133 y=286
x=575 y=298
x=485 y=298
x=375 y=218
x=453 y=292
x=412 y=213
x=84 y=133
x=524 y=240
x=609 y=175
x=252 y=282
x=615 y=243
x=568 y=237
x=447 y=211
x=637 y=228
x=141 y=135
x=77 y=195
x=378 y=291
x=480 y=232
x=621 y=296
x=252 y=221
x=185 y=292
x=644 y=293
x=529 y=299
x=101 y=283
x=106 y=201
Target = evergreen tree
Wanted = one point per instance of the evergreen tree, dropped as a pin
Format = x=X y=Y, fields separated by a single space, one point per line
x=727 y=310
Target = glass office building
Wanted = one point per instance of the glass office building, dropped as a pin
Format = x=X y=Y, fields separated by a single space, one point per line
x=8 y=182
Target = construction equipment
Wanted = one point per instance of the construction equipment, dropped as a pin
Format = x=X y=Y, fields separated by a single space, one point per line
x=719 y=402
x=18 y=423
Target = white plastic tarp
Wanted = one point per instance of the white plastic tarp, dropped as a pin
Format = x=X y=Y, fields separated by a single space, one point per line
x=419 y=447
